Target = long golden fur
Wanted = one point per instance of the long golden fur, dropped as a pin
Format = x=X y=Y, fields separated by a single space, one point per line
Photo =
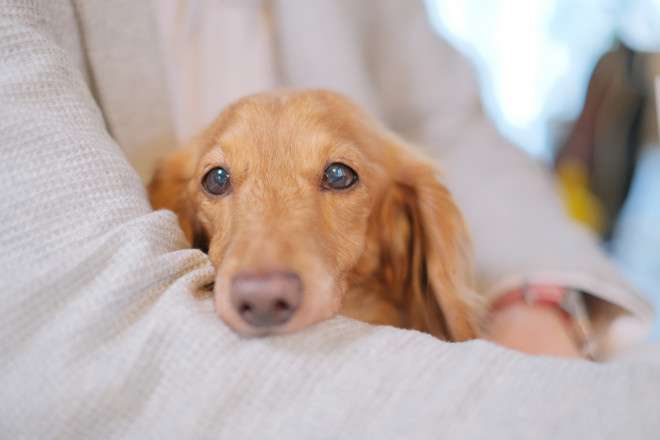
x=391 y=249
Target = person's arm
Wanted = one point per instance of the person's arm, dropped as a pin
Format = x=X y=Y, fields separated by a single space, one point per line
x=533 y=329
x=519 y=229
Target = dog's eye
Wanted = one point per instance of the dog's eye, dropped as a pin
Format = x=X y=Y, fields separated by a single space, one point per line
x=339 y=176
x=216 y=181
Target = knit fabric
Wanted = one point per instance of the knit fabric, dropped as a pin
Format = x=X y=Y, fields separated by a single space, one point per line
x=107 y=329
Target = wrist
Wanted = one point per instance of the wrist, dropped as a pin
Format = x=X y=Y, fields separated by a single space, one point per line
x=533 y=329
x=541 y=302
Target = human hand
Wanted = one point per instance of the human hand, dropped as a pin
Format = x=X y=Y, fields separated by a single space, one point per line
x=533 y=329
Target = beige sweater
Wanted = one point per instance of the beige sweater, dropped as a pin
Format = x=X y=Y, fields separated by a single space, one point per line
x=107 y=329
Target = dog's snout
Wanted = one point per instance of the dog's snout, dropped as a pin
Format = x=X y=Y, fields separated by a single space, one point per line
x=266 y=300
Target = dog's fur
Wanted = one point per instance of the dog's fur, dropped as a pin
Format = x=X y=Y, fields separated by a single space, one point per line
x=392 y=249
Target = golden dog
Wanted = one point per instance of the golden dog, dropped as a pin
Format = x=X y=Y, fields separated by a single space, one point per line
x=308 y=208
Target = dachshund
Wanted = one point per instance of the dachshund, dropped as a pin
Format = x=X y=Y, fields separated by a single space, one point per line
x=308 y=207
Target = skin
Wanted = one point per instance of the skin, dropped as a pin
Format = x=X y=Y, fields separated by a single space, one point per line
x=533 y=329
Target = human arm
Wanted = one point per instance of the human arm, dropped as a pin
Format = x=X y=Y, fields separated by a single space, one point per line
x=533 y=329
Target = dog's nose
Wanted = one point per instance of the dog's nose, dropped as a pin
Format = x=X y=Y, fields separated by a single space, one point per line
x=266 y=300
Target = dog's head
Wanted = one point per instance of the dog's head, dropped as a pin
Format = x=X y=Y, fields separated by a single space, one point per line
x=296 y=195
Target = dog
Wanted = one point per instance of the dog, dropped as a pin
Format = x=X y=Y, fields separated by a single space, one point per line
x=308 y=207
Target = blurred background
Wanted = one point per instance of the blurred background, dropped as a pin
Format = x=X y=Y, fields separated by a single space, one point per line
x=575 y=83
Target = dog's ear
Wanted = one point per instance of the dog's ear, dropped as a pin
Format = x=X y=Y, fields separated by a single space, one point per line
x=426 y=252
x=170 y=189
